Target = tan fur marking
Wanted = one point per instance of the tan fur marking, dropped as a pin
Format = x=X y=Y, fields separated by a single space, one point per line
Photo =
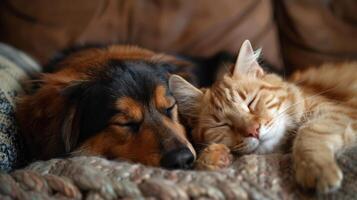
x=161 y=99
x=130 y=108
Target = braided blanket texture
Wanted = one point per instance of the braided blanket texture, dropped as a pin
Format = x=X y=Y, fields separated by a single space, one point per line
x=250 y=177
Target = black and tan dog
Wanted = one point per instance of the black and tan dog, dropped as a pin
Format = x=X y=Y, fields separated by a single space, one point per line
x=113 y=102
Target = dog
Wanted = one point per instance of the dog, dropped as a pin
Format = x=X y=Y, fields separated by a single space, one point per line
x=111 y=101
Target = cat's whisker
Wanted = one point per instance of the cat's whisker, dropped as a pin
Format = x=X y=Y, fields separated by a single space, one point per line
x=241 y=149
x=217 y=138
x=281 y=113
x=238 y=147
x=270 y=124
x=315 y=95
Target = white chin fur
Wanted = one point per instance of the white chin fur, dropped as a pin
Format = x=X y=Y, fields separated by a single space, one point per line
x=270 y=140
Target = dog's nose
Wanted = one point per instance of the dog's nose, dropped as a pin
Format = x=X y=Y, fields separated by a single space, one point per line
x=178 y=159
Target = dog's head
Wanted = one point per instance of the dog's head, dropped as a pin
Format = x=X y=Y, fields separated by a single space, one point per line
x=104 y=103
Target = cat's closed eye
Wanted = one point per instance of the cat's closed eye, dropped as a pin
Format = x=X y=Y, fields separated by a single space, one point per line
x=221 y=125
x=249 y=104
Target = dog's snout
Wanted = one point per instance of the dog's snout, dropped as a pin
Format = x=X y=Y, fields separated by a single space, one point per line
x=181 y=158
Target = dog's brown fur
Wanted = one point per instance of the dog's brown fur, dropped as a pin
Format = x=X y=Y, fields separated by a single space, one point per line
x=50 y=118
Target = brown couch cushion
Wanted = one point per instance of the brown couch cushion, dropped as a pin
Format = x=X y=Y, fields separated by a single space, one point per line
x=197 y=28
x=313 y=32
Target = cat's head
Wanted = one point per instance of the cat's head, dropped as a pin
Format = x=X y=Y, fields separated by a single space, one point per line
x=245 y=109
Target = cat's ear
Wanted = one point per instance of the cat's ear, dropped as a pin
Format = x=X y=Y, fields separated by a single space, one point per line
x=187 y=96
x=247 y=63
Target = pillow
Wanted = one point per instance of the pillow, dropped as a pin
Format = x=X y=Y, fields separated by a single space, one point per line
x=200 y=28
x=314 y=32
x=15 y=67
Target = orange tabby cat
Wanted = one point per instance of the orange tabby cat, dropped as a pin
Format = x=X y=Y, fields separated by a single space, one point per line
x=250 y=111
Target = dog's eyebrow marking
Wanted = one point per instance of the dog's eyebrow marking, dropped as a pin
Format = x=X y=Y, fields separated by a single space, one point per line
x=131 y=108
x=161 y=98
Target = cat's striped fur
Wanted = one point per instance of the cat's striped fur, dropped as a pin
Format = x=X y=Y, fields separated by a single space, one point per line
x=250 y=111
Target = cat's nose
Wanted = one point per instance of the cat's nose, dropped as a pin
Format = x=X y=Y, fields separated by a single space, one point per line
x=178 y=159
x=253 y=130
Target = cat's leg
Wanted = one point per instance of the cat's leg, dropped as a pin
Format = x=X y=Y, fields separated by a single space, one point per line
x=214 y=157
x=314 y=150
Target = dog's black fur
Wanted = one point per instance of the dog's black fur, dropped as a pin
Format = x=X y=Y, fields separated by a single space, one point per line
x=96 y=99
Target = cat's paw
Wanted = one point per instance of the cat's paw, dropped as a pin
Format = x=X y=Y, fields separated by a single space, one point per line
x=324 y=177
x=214 y=157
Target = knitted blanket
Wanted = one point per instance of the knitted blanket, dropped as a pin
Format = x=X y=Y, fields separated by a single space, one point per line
x=250 y=177
x=15 y=67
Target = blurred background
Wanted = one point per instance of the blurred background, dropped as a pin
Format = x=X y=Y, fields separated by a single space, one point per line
x=292 y=33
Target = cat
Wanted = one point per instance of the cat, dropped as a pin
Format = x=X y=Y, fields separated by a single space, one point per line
x=313 y=114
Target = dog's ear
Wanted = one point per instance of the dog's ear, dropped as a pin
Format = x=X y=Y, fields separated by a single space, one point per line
x=70 y=128
x=70 y=125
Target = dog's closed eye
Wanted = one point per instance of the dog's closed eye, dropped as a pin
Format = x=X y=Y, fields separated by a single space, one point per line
x=133 y=126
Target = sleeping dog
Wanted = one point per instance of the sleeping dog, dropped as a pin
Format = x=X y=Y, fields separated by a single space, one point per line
x=112 y=102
